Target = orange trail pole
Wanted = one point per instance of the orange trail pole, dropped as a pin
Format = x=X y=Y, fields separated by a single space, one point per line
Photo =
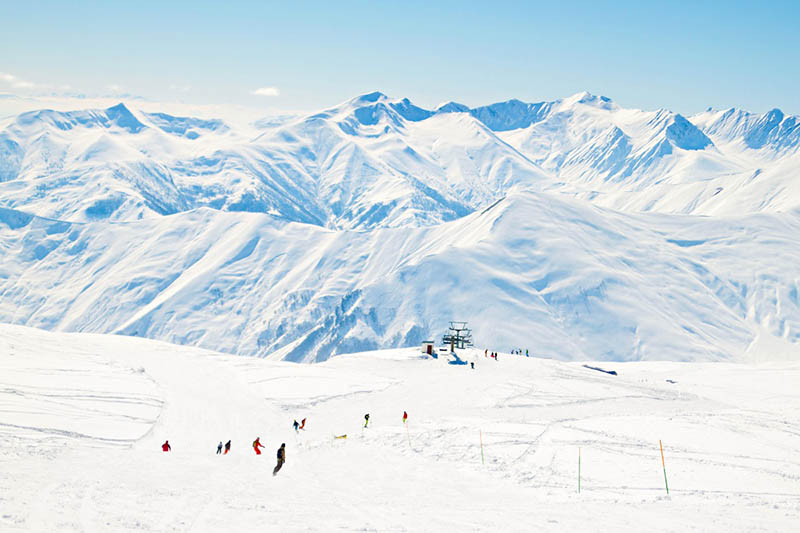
x=663 y=465
x=480 y=433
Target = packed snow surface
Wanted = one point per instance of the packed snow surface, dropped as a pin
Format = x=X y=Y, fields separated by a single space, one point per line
x=83 y=417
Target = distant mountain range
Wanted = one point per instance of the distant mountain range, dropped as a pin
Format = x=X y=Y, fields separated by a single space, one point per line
x=575 y=228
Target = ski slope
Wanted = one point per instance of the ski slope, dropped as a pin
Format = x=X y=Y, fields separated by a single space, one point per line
x=82 y=417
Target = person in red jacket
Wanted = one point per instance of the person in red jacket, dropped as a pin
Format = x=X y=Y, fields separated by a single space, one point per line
x=166 y=447
x=256 y=445
x=405 y=417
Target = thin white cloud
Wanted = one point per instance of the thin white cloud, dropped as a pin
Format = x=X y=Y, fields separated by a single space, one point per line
x=15 y=81
x=266 y=91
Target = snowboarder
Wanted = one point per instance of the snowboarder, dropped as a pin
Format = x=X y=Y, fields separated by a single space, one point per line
x=281 y=458
x=227 y=447
x=166 y=447
x=405 y=417
x=256 y=445
x=303 y=424
x=295 y=426
x=366 y=420
x=219 y=448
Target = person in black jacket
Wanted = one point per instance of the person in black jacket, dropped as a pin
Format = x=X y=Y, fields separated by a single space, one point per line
x=281 y=458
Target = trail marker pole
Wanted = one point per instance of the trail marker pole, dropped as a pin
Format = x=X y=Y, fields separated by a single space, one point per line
x=480 y=433
x=579 y=469
x=663 y=465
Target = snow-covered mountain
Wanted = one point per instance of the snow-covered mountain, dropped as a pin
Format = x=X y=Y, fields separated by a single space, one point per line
x=567 y=227
x=559 y=277
x=374 y=161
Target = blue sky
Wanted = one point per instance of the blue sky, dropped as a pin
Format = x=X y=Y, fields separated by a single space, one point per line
x=685 y=56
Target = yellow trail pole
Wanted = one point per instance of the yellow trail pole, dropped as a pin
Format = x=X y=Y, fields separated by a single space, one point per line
x=663 y=465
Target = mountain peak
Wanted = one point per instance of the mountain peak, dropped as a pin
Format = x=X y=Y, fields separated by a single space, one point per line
x=587 y=98
x=121 y=116
x=452 y=107
x=369 y=98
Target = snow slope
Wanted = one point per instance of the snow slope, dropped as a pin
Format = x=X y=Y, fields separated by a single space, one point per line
x=82 y=418
x=558 y=276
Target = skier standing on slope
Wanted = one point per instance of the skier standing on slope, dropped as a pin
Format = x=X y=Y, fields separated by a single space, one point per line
x=405 y=417
x=281 y=458
x=366 y=420
x=227 y=447
x=257 y=444
x=295 y=426
x=303 y=424
x=166 y=447
x=219 y=448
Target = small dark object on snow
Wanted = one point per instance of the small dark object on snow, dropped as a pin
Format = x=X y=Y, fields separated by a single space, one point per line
x=670 y=381
x=281 y=458
x=612 y=372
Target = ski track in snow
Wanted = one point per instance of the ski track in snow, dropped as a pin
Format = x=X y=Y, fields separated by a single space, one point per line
x=82 y=418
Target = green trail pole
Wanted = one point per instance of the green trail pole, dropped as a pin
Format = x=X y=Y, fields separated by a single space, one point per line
x=579 y=469
x=663 y=465
x=480 y=433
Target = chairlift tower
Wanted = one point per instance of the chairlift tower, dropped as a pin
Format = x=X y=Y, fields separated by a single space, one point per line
x=458 y=336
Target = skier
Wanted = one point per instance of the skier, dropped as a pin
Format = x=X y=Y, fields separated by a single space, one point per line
x=166 y=447
x=295 y=426
x=405 y=417
x=227 y=447
x=526 y=352
x=281 y=458
x=303 y=424
x=219 y=448
x=366 y=420
x=256 y=445
x=485 y=352
x=472 y=365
